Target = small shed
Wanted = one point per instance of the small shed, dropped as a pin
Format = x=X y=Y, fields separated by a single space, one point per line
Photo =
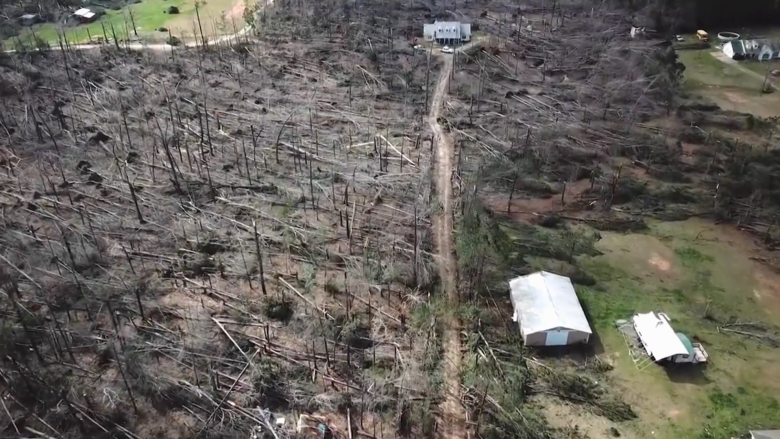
x=30 y=19
x=548 y=311
x=84 y=16
x=662 y=343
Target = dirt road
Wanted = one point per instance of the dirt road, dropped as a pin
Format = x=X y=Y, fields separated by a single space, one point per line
x=158 y=47
x=453 y=415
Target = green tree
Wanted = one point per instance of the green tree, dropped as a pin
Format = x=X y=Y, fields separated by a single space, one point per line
x=666 y=74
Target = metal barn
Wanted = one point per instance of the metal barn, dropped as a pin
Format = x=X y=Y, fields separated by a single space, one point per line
x=548 y=311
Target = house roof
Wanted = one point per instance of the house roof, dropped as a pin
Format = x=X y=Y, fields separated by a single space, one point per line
x=774 y=45
x=82 y=12
x=546 y=301
x=449 y=27
x=447 y=23
x=765 y=434
x=658 y=337
x=737 y=47
x=753 y=46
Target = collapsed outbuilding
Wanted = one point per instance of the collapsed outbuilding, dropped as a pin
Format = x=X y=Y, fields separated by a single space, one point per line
x=84 y=15
x=548 y=311
x=651 y=339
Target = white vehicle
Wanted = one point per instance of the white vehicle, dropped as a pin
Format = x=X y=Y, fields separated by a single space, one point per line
x=447 y=49
x=679 y=38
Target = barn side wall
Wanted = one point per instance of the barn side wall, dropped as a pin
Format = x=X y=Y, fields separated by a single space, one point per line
x=577 y=337
x=536 y=339
x=540 y=338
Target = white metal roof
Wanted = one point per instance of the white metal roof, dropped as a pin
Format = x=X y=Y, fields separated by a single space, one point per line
x=89 y=15
x=765 y=434
x=545 y=301
x=81 y=12
x=658 y=337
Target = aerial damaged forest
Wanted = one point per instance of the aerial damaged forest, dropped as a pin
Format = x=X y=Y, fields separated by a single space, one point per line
x=236 y=239
x=198 y=242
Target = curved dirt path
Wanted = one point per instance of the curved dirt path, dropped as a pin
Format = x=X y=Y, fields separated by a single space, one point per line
x=453 y=415
x=143 y=46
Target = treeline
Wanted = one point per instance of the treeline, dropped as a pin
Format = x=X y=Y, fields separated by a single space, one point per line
x=689 y=15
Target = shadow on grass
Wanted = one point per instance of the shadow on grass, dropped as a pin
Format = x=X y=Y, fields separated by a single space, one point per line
x=687 y=373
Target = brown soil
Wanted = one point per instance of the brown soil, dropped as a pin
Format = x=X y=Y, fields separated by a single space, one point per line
x=660 y=263
x=237 y=11
x=579 y=419
x=452 y=422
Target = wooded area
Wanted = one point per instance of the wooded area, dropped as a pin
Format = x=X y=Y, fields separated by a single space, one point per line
x=196 y=240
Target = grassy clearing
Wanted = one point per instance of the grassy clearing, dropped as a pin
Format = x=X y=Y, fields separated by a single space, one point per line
x=730 y=86
x=761 y=67
x=703 y=70
x=687 y=271
x=148 y=16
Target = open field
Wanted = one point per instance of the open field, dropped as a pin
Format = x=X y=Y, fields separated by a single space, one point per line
x=217 y=17
x=702 y=276
x=733 y=85
x=762 y=67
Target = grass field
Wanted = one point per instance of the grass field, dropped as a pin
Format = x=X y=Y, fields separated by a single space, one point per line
x=148 y=16
x=703 y=70
x=688 y=269
x=731 y=86
x=761 y=67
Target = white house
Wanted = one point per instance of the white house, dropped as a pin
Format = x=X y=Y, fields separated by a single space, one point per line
x=447 y=32
x=752 y=49
x=548 y=311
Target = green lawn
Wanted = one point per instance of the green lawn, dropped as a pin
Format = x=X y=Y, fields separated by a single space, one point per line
x=761 y=67
x=686 y=269
x=704 y=70
x=148 y=16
